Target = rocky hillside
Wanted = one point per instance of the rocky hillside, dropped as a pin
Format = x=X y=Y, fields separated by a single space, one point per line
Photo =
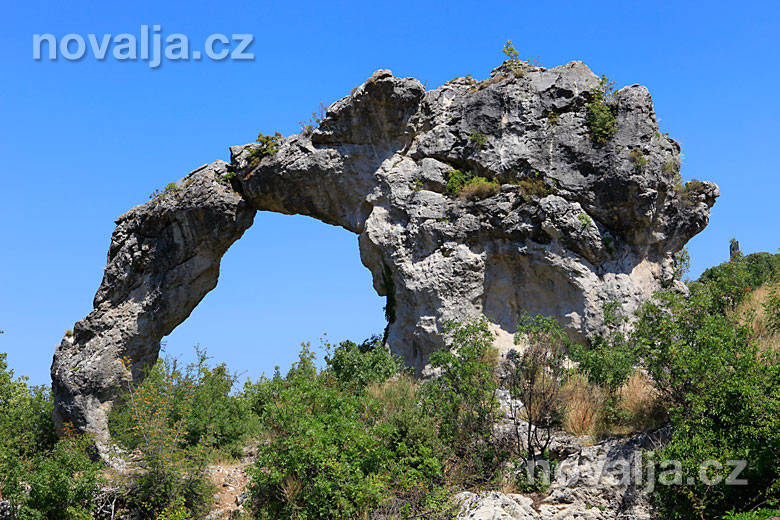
x=534 y=191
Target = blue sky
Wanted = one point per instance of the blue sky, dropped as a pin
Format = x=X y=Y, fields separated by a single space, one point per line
x=82 y=142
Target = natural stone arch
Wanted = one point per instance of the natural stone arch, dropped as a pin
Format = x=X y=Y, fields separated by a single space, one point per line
x=574 y=225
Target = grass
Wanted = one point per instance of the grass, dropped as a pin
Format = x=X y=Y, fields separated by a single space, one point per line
x=584 y=401
x=479 y=188
x=637 y=401
x=753 y=304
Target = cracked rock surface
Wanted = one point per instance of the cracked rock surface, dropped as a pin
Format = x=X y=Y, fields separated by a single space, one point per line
x=574 y=224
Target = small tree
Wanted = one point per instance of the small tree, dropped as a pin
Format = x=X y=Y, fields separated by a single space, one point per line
x=153 y=419
x=463 y=397
x=535 y=377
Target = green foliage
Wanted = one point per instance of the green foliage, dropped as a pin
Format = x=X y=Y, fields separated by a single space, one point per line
x=456 y=179
x=638 y=158
x=609 y=359
x=42 y=477
x=535 y=377
x=478 y=138
x=585 y=220
x=723 y=397
x=463 y=400
x=759 y=514
x=600 y=117
x=269 y=145
x=671 y=166
x=62 y=482
x=729 y=283
x=682 y=264
x=532 y=187
x=512 y=55
x=171 y=187
x=360 y=365
x=161 y=418
x=336 y=451
x=772 y=309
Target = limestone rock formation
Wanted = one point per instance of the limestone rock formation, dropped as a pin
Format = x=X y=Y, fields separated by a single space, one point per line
x=575 y=224
x=601 y=482
x=164 y=258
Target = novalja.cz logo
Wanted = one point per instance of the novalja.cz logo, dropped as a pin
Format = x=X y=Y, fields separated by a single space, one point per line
x=150 y=45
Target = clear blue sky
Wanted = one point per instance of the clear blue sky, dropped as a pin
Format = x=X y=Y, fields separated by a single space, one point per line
x=83 y=142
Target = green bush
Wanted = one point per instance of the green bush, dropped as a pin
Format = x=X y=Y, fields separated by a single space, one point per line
x=512 y=55
x=638 y=159
x=478 y=138
x=724 y=403
x=269 y=145
x=456 y=179
x=62 y=481
x=216 y=418
x=335 y=447
x=608 y=360
x=585 y=220
x=600 y=117
x=535 y=377
x=42 y=477
x=759 y=514
x=360 y=365
x=153 y=418
x=463 y=399
x=533 y=187
x=732 y=280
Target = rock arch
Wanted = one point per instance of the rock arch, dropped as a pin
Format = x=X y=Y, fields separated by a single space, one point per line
x=573 y=225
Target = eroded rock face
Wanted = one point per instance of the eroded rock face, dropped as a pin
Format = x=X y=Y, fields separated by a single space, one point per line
x=574 y=225
x=606 y=481
x=164 y=258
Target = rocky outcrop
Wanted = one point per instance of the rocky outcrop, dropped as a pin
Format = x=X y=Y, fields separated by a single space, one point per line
x=574 y=223
x=164 y=258
x=606 y=481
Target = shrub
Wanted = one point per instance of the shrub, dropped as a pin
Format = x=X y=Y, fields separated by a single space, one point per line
x=456 y=179
x=41 y=477
x=585 y=220
x=682 y=264
x=600 y=117
x=62 y=482
x=216 y=419
x=759 y=514
x=269 y=145
x=478 y=138
x=536 y=377
x=671 y=166
x=639 y=160
x=153 y=419
x=533 y=187
x=463 y=399
x=724 y=403
x=337 y=450
x=772 y=310
x=512 y=55
x=360 y=365
x=479 y=188
x=727 y=285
